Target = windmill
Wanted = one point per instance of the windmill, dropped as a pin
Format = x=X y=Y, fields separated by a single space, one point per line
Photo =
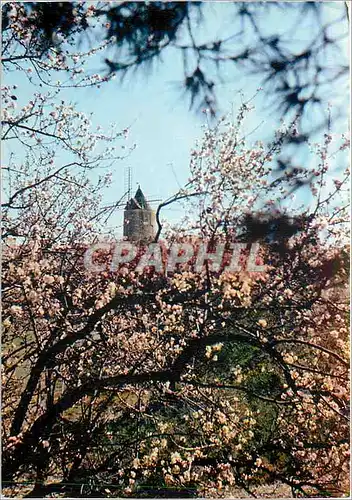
x=122 y=203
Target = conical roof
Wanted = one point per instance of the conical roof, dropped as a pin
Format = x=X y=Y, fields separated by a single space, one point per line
x=139 y=201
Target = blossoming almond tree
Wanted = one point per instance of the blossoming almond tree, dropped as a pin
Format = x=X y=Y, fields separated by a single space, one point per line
x=50 y=193
x=28 y=47
x=51 y=145
x=132 y=382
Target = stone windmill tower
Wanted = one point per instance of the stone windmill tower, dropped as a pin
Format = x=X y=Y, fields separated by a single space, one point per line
x=139 y=219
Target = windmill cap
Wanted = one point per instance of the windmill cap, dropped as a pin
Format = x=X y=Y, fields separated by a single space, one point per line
x=139 y=201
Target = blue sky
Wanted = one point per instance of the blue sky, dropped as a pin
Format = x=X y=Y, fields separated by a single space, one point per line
x=161 y=125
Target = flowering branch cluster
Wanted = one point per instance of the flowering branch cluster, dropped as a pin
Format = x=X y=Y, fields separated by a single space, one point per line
x=194 y=380
x=41 y=58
